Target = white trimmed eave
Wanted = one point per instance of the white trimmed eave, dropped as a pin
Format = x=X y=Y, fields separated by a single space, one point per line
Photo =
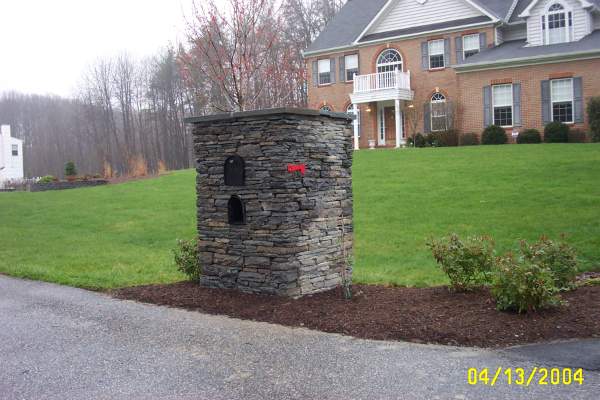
x=356 y=45
x=527 y=12
x=493 y=18
x=525 y=61
x=426 y=33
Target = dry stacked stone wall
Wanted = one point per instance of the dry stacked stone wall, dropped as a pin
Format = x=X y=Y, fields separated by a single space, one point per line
x=287 y=229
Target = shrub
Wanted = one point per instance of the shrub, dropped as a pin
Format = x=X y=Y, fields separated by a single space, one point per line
x=469 y=139
x=556 y=132
x=447 y=138
x=466 y=262
x=46 y=179
x=417 y=141
x=577 y=136
x=558 y=257
x=186 y=258
x=521 y=285
x=494 y=134
x=70 y=169
x=593 y=111
x=529 y=136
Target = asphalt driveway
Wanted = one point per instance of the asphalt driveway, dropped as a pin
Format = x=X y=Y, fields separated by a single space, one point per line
x=62 y=343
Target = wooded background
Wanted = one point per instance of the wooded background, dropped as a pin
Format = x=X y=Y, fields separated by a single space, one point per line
x=127 y=115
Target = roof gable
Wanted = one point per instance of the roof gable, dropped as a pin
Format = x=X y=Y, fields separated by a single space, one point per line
x=527 y=11
x=404 y=14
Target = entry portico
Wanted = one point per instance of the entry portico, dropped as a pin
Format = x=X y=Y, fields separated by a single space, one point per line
x=387 y=89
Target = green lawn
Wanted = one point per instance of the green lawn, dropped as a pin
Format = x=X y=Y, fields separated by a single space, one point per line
x=121 y=235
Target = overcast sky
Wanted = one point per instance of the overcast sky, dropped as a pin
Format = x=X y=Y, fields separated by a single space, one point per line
x=46 y=44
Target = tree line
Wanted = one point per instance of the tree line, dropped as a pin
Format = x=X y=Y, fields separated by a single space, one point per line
x=127 y=115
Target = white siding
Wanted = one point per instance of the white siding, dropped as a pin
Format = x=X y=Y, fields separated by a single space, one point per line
x=499 y=36
x=11 y=167
x=514 y=32
x=581 y=20
x=409 y=13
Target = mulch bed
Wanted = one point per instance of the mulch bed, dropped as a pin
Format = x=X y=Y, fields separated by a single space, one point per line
x=431 y=315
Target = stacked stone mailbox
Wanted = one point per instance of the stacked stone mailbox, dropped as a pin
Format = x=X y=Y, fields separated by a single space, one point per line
x=274 y=200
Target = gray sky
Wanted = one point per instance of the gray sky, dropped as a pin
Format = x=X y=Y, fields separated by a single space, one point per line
x=46 y=44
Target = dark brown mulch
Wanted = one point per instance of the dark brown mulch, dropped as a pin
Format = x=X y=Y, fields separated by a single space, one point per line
x=431 y=315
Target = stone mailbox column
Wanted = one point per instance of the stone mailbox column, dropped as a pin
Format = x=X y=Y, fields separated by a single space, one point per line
x=274 y=200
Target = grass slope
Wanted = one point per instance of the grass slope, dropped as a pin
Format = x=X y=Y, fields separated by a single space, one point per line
x=121 y=235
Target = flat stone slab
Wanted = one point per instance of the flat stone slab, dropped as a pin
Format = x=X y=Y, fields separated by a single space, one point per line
x=571 y=354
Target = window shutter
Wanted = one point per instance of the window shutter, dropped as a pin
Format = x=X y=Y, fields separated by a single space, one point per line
x=578 y=100
x=458 y=46
x=342 y=69
x=517 y=104
x=425 y=56
x=315 y=73
x=332 y=69
x=546 y=104
x=427 y=118
x=487 y=106
x=447 y=53
x=482 y=41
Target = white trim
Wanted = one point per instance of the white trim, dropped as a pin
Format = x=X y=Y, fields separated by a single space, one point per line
x=546 y=17
x=511 y=10
x=478 y=43
x=376 y=18
x=356 y=45
x=381 y=131
x=526 y=61
x=443 y=53
x=512 y=106
x=527 y=12
x=483 y=10
x=572 y=100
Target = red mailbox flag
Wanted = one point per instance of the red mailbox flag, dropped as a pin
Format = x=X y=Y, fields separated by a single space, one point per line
x=297 y=167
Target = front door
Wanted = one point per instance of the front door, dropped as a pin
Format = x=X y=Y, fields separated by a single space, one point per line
x=390 y=125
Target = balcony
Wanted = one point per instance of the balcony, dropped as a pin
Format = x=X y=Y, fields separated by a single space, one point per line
x=391 y=85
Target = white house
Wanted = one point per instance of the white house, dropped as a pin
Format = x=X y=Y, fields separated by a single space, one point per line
x=11 y=156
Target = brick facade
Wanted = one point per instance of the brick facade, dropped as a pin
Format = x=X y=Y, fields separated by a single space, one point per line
x=530 y=77
x=465 y=88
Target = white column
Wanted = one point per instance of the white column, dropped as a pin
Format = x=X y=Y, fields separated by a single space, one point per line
x=355 y=108
x=398 y=124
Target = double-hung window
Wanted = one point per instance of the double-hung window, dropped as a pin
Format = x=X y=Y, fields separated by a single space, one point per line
x=324 y=70
x=502 y=101
x=470 y=45
x=15 y=149
x=436 y=54
x=351 y=65
x=561 y=95
x=557 y=24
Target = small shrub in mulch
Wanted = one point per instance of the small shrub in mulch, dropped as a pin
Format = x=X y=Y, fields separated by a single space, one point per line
x=494 y=134
x=556 y=132
x=578 y=136
x=186 y=259
x=426 y=315
x=529 y=136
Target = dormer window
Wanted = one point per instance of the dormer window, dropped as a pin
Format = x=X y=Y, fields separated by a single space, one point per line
x=557 y=24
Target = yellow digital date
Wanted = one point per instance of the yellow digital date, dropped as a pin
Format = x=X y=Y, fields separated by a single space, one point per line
x=523 y=377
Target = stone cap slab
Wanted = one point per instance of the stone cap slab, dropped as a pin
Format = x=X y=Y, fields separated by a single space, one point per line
x=267 y=113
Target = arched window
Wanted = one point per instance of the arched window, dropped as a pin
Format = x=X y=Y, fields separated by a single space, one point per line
x=350 y=110
x=236 y=211
x=438 y=112
x=557 y=24
x=389 y=60
x=326 y=108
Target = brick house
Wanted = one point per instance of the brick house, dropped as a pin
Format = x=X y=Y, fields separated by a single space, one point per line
x=406 y=66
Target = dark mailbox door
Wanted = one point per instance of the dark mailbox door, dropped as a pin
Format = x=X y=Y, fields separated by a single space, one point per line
x=234 y=171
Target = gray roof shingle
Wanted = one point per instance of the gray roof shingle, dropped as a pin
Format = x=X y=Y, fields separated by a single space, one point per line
x=516 y=50
x=349 y=22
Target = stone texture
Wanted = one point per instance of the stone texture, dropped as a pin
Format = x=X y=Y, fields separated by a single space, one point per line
x=297 y=238
x=64 y=185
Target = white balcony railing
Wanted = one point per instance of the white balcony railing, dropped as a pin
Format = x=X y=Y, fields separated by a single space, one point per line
x=381 y=81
